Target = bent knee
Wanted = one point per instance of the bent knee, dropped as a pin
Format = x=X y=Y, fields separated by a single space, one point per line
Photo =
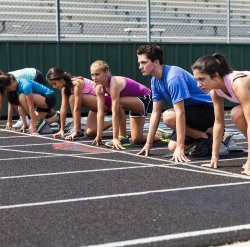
x=136 y=140
x=90 y=132
x=236 y=113
x=171 y=146
x=169 y=117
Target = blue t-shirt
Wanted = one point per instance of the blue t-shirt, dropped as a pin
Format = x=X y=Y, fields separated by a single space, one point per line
x=177 y=85
x=28 y=86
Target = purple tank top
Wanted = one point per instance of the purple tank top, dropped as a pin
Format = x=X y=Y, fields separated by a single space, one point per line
x=132 y=88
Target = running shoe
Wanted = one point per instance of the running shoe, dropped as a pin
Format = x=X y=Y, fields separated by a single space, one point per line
x=79 y=135
x=163 y=135
x=125 y=142
x=19 y=123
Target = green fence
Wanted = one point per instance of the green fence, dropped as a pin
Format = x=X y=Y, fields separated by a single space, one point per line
x=76 y=57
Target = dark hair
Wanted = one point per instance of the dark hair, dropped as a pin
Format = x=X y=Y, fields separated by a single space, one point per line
x=58 y=74
x=210 y=64
x=5 y=80
x=153 y=52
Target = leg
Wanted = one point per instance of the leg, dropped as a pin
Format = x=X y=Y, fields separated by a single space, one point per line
x=137 y=126
x=239 y=119
x=198 y=129
x=169 y=118
x=133 y=104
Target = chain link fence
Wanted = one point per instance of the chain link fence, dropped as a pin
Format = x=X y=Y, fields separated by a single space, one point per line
x=219 y=21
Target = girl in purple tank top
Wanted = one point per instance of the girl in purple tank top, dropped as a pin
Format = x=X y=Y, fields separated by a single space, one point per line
x=77 y=92
x=213 y=74
x=125 y=94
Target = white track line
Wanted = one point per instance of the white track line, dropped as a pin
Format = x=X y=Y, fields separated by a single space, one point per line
x=174 y=236
x=131 y=154
x=142 y=193
x=170 y=166
x=75 y=172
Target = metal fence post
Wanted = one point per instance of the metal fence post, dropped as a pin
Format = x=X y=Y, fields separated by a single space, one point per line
x=228 y=21
x=58 y=27
x=148 y=22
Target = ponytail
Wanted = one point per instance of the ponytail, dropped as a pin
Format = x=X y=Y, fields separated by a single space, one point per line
x=211 y=64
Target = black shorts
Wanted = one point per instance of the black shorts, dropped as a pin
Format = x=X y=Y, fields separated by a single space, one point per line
x=40 y=78
x=50 y=100
x=199 y=117
x=147 y=102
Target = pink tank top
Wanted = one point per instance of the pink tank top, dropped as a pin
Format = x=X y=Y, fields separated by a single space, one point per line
x=88 y=86
x=228 y=79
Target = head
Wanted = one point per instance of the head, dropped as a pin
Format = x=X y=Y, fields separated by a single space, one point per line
x=209 y=71
x=150 y=57
x=99 y=71
x=59 y=79
x=8 y=83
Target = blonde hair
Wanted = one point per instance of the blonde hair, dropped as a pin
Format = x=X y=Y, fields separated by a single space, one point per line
x=101 y=65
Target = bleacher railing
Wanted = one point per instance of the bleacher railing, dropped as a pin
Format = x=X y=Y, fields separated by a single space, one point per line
x=216 y=21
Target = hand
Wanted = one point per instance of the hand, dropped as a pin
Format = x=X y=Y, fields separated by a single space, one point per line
x=9 y=126
x=34 y=133
x=59 y=134
x=71 y=136
x=117 y=144
x=23 y=128
x=145 y=150
x=179 y=155
x=213 y=163
x=246 y=168
x=97 y=141
x=33 y=130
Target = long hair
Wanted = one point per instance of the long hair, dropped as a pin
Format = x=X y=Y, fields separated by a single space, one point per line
x=58 y=74
x=6 y=80
x=210 y=64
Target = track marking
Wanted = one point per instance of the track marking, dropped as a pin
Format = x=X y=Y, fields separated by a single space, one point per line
x=174 y=236
x=131 y=154
x=142 y=193
x=169 y=166
x=75 y=172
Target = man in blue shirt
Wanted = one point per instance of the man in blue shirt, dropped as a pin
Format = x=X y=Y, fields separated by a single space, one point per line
x=191 y=114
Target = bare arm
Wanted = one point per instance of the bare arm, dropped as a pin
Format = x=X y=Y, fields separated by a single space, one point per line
x=78 y=85
x=100 y=115
x=116 y=86
x=33 y=118
x=241 y=88
x=153 y=125
x=63 y=114
x=179 y=152
x=1 y=104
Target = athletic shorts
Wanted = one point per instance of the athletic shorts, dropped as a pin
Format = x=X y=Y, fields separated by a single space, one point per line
x=50 y=100
x=147 y=102
x=40 y=78
x=199 y=117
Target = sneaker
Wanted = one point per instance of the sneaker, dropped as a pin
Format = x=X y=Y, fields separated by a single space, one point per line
x=44 y=128
x=189 y=141
x=163 y=135
x=19 y=123
x=202 y=148
x=124 y=141
x=69 y=126
x=79 y=135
